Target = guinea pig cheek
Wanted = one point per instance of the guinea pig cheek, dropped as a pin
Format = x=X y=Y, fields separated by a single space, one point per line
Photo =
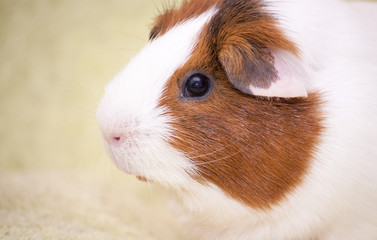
x=255 y=150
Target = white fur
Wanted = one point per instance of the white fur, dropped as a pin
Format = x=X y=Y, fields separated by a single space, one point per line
x=338 y=198
x=130 y=109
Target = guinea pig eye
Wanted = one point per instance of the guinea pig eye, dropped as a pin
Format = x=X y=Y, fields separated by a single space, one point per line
x=197 y=86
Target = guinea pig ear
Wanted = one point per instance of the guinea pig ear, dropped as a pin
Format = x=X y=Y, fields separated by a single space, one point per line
x=264 y=72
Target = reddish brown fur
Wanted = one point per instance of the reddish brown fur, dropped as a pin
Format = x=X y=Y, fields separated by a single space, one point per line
x=256 y=150
x=172 y=17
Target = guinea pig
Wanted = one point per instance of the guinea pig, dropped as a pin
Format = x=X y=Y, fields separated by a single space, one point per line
x=260 y=114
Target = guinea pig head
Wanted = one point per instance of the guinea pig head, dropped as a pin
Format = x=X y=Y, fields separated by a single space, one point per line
x=217 y=96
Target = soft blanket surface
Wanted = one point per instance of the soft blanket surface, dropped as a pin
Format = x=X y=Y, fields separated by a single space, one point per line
x=79 y=205
x=72 y=205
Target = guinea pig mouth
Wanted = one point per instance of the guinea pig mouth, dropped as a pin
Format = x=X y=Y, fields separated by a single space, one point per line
x=119 y=162
x=125 y=167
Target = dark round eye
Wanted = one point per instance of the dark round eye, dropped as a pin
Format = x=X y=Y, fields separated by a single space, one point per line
x=197 y=86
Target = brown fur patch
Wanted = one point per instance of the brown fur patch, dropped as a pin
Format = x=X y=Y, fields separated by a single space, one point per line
x=171 y=17
x=256 y=150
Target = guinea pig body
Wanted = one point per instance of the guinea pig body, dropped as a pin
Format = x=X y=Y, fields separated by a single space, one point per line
x=260 y=114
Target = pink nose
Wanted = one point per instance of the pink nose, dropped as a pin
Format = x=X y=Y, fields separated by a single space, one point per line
x=115 y=140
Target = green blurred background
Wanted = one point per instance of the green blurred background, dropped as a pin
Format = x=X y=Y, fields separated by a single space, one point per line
x=56 y=182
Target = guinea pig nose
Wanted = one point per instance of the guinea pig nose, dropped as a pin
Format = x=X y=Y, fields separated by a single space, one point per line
x=115 y=139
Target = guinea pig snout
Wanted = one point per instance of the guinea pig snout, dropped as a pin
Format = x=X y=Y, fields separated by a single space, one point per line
x=114 y=133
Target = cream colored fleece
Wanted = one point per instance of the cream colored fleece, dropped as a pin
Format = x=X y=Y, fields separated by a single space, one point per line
x=78 y=205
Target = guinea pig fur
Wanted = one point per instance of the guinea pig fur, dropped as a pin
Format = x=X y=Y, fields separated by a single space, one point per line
x=260 y=114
